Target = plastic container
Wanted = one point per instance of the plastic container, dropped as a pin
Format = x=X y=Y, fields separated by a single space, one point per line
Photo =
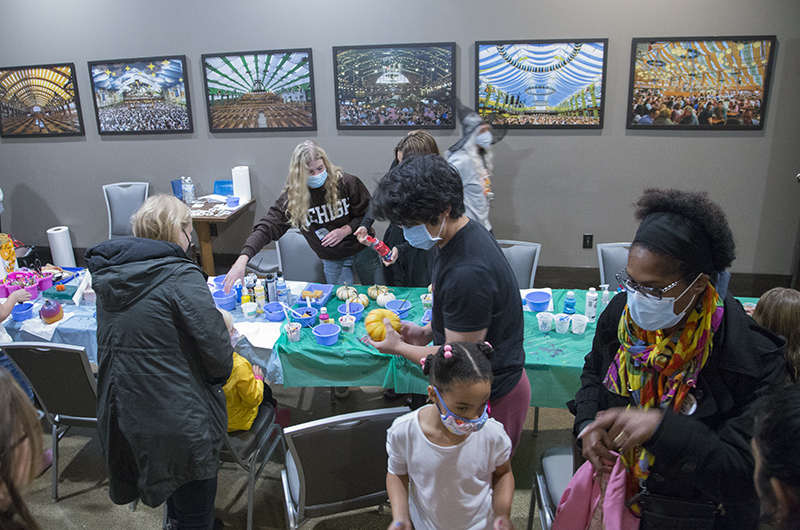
x=249 y=311
x=261 y=296
x=356 y=309
x=33 y=290
x=326 y=334
x=605 y=296
x=562 y=322
x=282 y=292
x=579 y=324
x=233 y=202
x=292 y=331
x=569 y=303
x=274 y=312
x=347 y=323
x=591 y=305
x=218 y=282
x=21 y=312
x=46 y=281
x=305 y=321
x=225 y=301
x=427 y=300
x=401 y=307
x=426 y=317
x=538 y=300
x=545 y=322
x=187 y=187
x=3 y=290
x=272 y=295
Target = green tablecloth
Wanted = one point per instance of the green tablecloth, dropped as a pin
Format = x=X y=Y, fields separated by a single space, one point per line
x=553 y=362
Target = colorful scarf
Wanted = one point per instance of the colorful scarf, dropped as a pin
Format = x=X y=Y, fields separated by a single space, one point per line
x=659 y=371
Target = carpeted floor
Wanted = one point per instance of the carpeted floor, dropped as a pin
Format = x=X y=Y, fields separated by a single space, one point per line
x=83 y=489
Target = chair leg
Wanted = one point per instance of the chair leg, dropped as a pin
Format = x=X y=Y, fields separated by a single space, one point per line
x=251 y=486
x=532 y=508
x=535 y=421
x=165 y=517
x=55 y=463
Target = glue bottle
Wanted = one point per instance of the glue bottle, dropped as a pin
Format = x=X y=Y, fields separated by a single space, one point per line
x=591 y=304
x=261 y=297
x=569 y=303
x=380 y=247
x=604 y=298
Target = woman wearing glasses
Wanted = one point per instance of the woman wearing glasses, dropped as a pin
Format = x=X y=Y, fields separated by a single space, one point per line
x=674 y=370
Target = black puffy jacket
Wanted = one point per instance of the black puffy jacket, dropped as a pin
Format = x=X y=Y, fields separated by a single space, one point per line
x=164 y=354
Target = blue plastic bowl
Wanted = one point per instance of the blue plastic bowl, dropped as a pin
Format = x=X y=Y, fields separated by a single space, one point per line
x=225 y=301
x=218 y=281
x=22 y=312
x=401 y=307
x=326 y=334
x=274 y=312
x=356 y=309
x=538 y=300
x=304 y=321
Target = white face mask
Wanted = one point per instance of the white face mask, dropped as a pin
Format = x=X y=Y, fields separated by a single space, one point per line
x=484 y=139
x=652 y=314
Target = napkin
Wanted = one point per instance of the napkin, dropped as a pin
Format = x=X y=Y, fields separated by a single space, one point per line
x=260 y=334
x=36 y=326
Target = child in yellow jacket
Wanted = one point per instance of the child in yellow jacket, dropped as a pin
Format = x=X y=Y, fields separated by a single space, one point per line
x=245 y=389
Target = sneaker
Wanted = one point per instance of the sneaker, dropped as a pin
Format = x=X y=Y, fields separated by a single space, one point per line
x=341 y=392
x=47 y=460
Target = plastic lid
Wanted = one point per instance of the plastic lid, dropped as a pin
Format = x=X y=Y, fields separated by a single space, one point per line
x=570 y=294
x=592 y=290
x=604 y=286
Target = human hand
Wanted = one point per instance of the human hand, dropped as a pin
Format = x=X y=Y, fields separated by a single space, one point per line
x=395 y=254
x=596 y=448
x=627 y=428
x=391 y=343
x=236 y=273
x=334 y=237
x=400 y=525
x=362 y=235
x=416 y=335
x=502 y=522
x=258 y=372
x=20 y=295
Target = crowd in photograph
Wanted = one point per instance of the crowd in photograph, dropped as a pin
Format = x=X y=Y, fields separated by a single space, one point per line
x=546 y=119
x=652 y=107
x=150 y=116
x=377 y=112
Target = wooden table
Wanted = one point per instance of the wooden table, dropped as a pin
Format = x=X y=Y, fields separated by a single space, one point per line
x=202 y=225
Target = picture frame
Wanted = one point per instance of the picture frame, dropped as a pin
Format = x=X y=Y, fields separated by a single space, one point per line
x=395 y=86
x=146 y=95
x=40 y=101
x=703 y=83
x=270 y=90
x=541 y=84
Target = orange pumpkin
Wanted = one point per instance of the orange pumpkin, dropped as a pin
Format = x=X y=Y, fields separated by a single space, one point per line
x=375 y=326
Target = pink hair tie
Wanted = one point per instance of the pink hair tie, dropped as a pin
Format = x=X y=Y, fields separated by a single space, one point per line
x=448 y=351
x=422 y=362
x=487 y=343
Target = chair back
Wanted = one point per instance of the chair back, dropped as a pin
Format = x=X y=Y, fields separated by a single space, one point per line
x=338 y=464
x=523 y=258
x=550 y=482
x=122 y=201
x=61 y=378
x=296 y=259
x=612 y=257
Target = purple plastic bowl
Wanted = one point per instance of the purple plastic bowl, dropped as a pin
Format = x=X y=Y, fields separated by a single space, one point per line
x=326 y=334
x=538 y=300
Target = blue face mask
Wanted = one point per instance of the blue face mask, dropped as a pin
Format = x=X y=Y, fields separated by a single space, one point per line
x=458 y=425
x=419 y=237
x=316 y=181
x=484 y=139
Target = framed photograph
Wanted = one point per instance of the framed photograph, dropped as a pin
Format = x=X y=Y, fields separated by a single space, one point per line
x=141 y=96
x=40 y=101
x=535 y=84
x=260 y=91
x=710 y=83
x=398 y=86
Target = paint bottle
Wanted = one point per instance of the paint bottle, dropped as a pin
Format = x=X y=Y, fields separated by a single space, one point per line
x=591 y=304
x=604 y=298
x=380 y=247
x=272 y=294
x=569 y=303
x=281 y=291
x=261 y=297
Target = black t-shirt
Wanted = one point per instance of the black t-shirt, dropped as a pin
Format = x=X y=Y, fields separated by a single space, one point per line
x=474 y=288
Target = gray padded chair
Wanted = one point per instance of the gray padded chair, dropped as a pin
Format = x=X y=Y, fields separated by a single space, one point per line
x=63 y=383
x=122 y=201
x=549 y=484
x=523 y=258
x=612 y=257
x=265 y=262
x=296 y=259
x=336 y=464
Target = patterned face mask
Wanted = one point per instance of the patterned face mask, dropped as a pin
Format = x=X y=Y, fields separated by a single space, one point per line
x=458 y=425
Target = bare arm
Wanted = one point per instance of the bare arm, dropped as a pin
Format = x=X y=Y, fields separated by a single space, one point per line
x=397 y=488
x=412 y=344
x=502 y=496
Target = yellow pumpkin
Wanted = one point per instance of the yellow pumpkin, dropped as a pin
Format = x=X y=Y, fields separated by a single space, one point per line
x=344 y=292
x=375 y=326
x=376 y=290
x=359 y=298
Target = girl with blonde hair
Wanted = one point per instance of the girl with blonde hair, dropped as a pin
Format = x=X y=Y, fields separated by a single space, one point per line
x=778 y=310
x=327 y=205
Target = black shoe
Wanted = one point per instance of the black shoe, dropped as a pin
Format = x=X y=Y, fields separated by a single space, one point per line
x=390 y=395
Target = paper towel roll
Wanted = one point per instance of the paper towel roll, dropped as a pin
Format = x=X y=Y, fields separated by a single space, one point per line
x=241 y=183
x=61 y=246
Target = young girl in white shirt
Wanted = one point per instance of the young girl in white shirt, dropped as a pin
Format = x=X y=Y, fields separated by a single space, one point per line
x=449 y=463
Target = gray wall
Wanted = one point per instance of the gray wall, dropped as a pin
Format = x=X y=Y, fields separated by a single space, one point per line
x=551 y=186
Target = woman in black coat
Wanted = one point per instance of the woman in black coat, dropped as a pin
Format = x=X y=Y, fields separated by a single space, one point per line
x=164 y=354
x=675 y=369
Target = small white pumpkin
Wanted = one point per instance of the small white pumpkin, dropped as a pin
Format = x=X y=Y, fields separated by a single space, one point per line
x=359 y=298
x=383 y=298
x=377 y=290
x=344 y=292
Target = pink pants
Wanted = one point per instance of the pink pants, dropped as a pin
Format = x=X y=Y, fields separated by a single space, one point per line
x=512 y=409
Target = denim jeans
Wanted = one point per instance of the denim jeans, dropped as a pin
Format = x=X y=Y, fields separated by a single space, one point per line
x=192 y=504
x=366 y=263
x=6 y=363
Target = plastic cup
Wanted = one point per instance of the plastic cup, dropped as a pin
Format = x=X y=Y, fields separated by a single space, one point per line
x=562 y=323
x=545 y=321
x=249 y=310
x=427 y=300
x=579 y=324
x=347 y=323
x=292 y=331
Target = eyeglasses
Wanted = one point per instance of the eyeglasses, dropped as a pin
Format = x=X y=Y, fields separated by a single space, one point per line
x=652 y=292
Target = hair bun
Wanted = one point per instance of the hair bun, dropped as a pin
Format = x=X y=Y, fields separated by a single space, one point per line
x=485 y=348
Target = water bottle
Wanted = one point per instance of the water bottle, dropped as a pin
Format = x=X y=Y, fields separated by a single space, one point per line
x=187 y=188
x=591 y=304
x=272 y=295
x=569 y=303
x=281 y=291
x=604 y=298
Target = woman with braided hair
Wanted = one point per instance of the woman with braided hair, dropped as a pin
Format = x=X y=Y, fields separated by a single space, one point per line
x=449 y=463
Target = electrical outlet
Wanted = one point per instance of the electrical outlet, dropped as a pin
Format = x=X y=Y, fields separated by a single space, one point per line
x=588 y=239
x=212 y=228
